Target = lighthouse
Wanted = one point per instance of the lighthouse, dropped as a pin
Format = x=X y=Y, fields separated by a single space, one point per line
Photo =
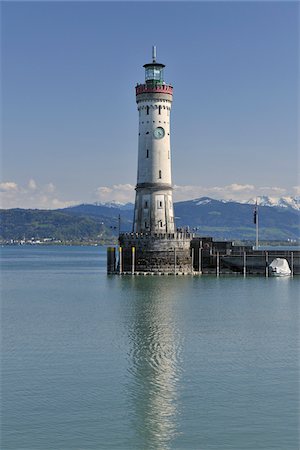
x=155 y=246
x=154 y=211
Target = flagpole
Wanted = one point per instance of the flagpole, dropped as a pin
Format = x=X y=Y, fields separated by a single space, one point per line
x=257 y=229
x=256 y=223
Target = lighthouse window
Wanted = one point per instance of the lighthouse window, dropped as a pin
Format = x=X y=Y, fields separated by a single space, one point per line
x=148 y=110
x=161 y=223
x=146 y=204
x=147 y=132
x=160 y=204
x=159 y=110
x=159 y=174
x=147 y=154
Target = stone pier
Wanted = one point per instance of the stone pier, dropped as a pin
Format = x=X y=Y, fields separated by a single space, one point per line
x=153 y=253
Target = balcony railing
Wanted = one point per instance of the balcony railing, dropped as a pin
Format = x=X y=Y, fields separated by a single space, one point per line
x=151 y=88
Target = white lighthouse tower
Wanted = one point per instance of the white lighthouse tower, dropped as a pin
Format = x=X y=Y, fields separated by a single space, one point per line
x=153 y=204
x=154 y=246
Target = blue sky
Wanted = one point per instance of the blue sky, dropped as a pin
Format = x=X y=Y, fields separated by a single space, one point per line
x=69 y=116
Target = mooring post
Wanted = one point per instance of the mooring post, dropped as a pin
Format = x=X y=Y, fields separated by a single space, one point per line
x=174 y=260
x=267 y=265
x=292 y=263
x=133 y=260
x=120 y=260
x=111 y=260
x=218 y=264
x=200 y=258
x=245 y=264
x=193 y=251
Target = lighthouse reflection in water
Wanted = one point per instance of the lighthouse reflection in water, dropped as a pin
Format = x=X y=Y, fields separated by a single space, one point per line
x=154 y=362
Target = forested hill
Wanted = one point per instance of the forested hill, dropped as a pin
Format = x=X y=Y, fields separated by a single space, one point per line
x=19 y=224
x=100 y=223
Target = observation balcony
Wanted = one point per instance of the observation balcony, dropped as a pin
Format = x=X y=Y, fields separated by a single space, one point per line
x=154 y=88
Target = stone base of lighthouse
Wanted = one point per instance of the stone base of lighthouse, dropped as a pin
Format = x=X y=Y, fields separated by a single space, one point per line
x=151 y=253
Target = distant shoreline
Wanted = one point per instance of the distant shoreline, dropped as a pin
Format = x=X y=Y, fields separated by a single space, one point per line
x=264 y=245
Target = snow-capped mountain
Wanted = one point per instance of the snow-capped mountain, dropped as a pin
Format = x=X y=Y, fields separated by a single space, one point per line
x=202 y=201
x=207 y=200
x=279 y=202
x=282 y=202
x=115 y=204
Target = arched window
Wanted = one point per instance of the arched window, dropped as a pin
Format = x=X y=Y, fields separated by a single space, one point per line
x=147 y=154
x=159 y=110
x=147 y=110
x=159 y=174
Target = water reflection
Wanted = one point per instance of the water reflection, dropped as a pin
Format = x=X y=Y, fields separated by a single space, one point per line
x=154 y=362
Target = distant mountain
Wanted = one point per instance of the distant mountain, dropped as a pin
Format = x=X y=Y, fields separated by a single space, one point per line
x=107 y=213
x=232 y=220
x=282 y=202
x=206 y=216
x=114 y=204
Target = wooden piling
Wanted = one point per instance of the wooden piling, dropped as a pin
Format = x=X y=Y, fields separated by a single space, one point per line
x=218 y=264
x=120 y=260
x=174 y=260
x=200 y=259
x=132 y=260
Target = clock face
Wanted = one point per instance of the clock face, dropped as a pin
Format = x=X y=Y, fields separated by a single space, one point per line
x=159 y=132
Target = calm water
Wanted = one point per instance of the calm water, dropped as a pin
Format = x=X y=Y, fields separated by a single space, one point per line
x=93 y=362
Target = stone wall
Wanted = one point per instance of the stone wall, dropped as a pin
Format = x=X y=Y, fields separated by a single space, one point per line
x=158 y=253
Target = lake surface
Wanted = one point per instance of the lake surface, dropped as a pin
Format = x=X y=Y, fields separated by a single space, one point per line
x=94 y=362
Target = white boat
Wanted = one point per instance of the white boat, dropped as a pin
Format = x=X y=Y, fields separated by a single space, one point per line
x=279 y=267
